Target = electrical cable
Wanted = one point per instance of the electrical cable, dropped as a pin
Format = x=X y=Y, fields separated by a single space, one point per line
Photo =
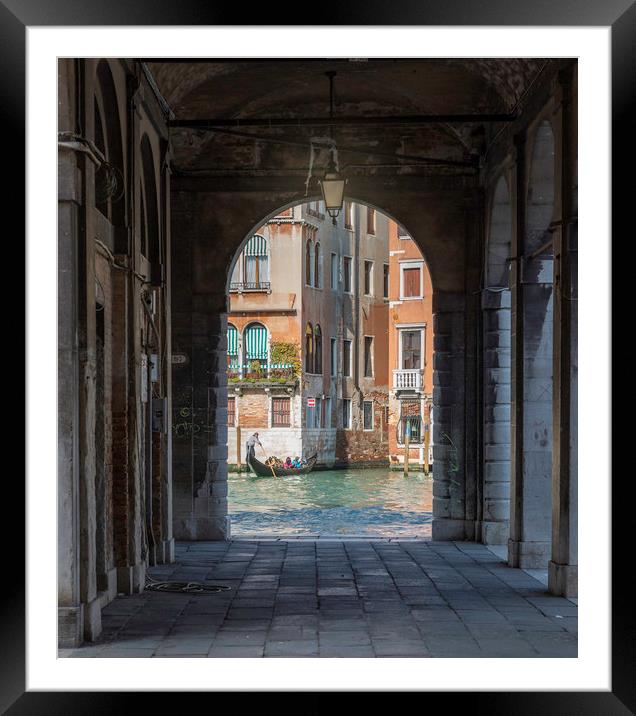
x=184 y=587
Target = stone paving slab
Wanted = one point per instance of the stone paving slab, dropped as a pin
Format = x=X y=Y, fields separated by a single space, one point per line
x=336 y=598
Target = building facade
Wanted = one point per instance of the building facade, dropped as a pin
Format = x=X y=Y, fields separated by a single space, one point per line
x=410 y=351
x=308 y=337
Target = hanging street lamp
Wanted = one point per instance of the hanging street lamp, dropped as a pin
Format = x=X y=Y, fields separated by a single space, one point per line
x=332 y=184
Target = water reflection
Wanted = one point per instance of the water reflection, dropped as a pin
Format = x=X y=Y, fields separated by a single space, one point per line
x=374 y=502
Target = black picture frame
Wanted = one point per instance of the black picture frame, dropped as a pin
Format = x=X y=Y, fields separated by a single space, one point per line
x=16 y=15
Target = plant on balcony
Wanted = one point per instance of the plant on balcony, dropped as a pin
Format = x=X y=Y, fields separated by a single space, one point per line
x=286 y=354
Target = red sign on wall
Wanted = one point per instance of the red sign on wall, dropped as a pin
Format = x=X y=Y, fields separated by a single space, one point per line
x=311 y=402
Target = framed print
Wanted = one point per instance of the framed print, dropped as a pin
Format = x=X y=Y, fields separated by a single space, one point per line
x=317 y=393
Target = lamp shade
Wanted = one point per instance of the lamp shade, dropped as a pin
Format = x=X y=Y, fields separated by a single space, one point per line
x=333 y=192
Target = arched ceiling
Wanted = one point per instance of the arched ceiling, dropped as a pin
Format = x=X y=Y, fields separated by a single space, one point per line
x=299 y=89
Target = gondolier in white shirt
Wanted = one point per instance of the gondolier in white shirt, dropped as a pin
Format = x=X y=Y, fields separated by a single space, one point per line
x=251 y=443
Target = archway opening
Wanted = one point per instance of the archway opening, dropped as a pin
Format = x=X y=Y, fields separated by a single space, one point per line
x=340 y=321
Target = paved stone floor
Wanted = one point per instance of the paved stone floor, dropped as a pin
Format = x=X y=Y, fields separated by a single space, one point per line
x=354 y=598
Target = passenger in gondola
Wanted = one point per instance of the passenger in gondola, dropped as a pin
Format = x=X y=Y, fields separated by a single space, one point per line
x=296 y=462
x=288 y=463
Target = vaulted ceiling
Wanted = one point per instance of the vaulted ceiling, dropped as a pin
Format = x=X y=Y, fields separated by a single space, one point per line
x=374 y=88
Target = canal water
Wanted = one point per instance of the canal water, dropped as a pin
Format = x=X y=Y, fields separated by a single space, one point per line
x=371 y=502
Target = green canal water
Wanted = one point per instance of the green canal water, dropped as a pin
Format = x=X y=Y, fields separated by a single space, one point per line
x=371 y=502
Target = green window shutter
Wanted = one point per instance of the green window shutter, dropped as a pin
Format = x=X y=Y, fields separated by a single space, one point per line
x=232 y=341
x=256 y=343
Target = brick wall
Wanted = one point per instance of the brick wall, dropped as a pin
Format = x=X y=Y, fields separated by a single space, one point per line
x=253 y=410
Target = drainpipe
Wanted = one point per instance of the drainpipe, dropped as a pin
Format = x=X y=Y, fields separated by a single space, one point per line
x=356 y=309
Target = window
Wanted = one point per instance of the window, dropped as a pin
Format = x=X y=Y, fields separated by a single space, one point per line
x=237 y=274
x=256 y=263
x=367 y=415
x=368 y=357
x=333 y=357
x=309 y=416
x=370 y=220
x=318 y=413
x=385 y=281
x=346 y=269
x=231 y=412
x=255 y=347
x=412 y=420
x=317 y=267
x=232 y=345
x=368 y=278
x=317 y=350
x=309 y=349
x=281 y=413
x=402 y=233
x=411 y=280
x=348 y=215
x=346 y=358
x=308 y=263
x=411 y=349
x=346 y=414
x=334 y=271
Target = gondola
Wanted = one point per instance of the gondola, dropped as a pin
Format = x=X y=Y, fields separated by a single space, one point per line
x=263 y=470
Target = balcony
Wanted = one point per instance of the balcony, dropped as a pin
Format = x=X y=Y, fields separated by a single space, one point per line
x=410 y=380
x=254 y=287
x=263 y=376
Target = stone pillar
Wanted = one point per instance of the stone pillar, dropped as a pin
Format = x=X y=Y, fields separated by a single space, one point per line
x=449 y=489
x=200 y=426
x=496 y=396
x=563 y=567
x=70 y=609
x=531 y=393
x=167 y=544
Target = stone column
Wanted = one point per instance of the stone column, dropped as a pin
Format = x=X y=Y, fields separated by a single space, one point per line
x=200 y=422
x=563 y=567
x=70 y=610
x=449 y=489
x=531 y=393
x=496 y=395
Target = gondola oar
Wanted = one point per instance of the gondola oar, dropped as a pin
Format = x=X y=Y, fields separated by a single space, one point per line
x=271 y=467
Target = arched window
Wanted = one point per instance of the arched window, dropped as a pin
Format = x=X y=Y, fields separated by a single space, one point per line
x=317 y=350
x=232 y=345
x=309 y=349
x=256 y=263
x=308 y=264
x=317 y=266
x=255 y=347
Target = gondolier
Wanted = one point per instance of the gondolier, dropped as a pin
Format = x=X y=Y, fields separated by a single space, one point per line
x=251 y=443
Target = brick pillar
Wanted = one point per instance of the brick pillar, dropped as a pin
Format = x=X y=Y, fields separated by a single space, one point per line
x=449 y=476
x=129 y=560
x=496 y=436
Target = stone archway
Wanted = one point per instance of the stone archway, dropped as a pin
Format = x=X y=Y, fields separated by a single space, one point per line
x=209 y=226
